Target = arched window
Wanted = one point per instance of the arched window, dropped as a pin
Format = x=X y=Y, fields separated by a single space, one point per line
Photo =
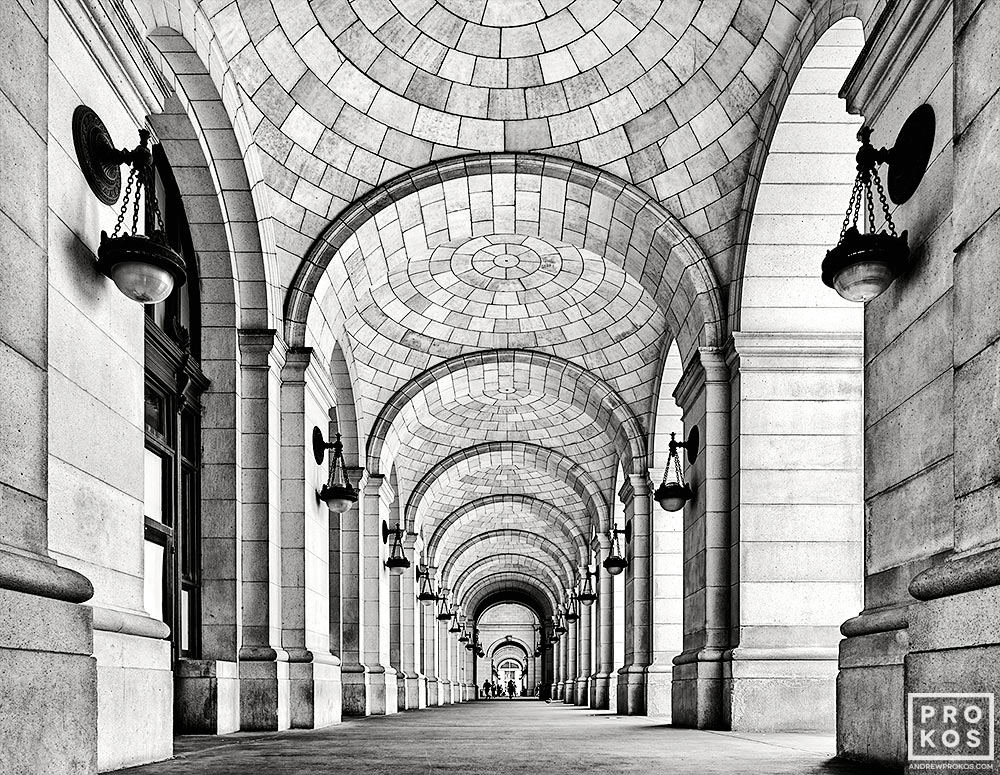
x=174 y=385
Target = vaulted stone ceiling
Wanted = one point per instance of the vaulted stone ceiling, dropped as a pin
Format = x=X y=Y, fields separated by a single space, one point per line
x=504 y=322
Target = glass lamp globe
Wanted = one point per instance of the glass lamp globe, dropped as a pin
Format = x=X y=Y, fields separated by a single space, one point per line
x=615 y=564
x=863 y=281
x=145 y=283
x=672 y=496
x=395 y=568
x=338 y=498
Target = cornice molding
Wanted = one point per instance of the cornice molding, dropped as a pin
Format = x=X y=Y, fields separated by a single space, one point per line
x=112 y=38
x=896 y=40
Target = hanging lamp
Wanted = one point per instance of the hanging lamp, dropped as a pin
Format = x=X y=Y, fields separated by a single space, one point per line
x=572 y=614
x=616 y=562
x=337 y=493
x=673 y=491
x=587 y=595
x=426 y=594
x=143 y=266
x=444 y=610
x=397 y=561
x=864 y=263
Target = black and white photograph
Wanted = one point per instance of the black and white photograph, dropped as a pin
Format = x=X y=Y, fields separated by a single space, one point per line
x=499 y=387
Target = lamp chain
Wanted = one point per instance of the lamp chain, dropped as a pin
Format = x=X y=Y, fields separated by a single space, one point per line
x=140 y=176
x=885 y=204
x=125 y=206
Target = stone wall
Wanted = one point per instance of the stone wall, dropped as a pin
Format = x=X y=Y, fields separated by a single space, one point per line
x=912 y=341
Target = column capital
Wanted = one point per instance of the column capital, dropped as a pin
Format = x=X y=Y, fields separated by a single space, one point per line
x=297 y=360
x=635 y=486
x=256 y=345
x=378 y=484
x=708 y=365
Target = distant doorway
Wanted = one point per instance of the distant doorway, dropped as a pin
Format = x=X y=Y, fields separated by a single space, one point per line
x=511 y=669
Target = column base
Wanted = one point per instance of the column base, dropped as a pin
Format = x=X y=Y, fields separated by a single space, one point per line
x=135 y=690
x=48 y=675
x=206 y=697
x=315 y=690
x=696 y=697
x=871 y=692
x=600 y=691
x=411 y=691
x=583 y=692
x=433 y=692
x=631 y=691
x=369 y=692
x=444 y=692
x=779 y=689
x=264 y=690
x=569 y=693
x=659 y=690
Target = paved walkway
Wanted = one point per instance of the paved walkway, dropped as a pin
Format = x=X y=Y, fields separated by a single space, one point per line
x=509 y=737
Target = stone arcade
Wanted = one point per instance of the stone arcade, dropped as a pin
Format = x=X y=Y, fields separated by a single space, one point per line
x=501 y=250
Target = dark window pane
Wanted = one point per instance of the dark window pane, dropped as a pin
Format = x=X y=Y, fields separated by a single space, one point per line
x=155 y=411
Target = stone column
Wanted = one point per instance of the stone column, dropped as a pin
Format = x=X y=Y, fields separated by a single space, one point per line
x=378 y=682
x=600 y=685
x=458 y=660
x=314 y=676
x=414 y=685
x=428 y=651
x=46 y=640
x=572 y=647
x=263 y=665
x=584 y=667
x=797 y=493
x=636 y=496
x=352 y=670
x=556 y=664
x=445 y=695
x=703 y=394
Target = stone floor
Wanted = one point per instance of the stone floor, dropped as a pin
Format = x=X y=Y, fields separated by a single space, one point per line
x=504 y=736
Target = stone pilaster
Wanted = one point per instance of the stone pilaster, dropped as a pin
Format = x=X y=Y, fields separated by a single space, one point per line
x=636 y=496
x=572 y=647
x=44 y=633
x=445 y=689
x=314 y=676
x=703 y=394
x=584 y=655
x=354 y=697
x=797 y=524
x=600 y=684
x=372 y=692
x=263 y=664
x=413 y=689
x=428 y=651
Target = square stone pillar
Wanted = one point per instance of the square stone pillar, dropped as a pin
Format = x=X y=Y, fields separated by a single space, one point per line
x=373 y=691
x=703 y=394
x=582 y=696
x=559 y=677
x=636 y=496
x=796 y=530
x=263 y=664
x=445 y=689
x=428 y=650
x=413 y=684
x=47 y=674
x=572 y=646
x=314 y=673
x=354 y=698
x=600 y=684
